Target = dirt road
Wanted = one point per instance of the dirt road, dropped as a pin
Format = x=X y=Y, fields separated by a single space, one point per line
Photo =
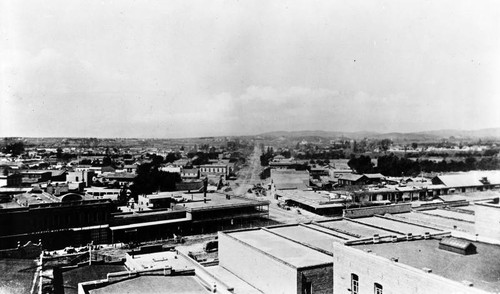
x=248 y=175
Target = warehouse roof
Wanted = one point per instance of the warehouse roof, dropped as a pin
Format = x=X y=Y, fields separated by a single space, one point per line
x=290 y=179
x=217 y=201
x=309 y=236
x=469 y=179
x=282 y=249
x=482 y=269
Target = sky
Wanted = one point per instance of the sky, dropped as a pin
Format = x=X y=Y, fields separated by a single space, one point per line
x=213 y=68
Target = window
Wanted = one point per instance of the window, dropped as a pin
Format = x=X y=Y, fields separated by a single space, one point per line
x=307 y=288
x=354 y=284
x=377 y=289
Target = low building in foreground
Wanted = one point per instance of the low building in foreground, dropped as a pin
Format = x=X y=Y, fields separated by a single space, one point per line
x=274 y=264
x=417 y=266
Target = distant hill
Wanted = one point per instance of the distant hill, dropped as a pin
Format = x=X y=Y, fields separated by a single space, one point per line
x=490 y=133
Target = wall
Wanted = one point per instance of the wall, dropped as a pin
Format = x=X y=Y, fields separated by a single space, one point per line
x=487 y=220
x=394 y=277
x=256 y=268
x=320 y=277
x=370 y=211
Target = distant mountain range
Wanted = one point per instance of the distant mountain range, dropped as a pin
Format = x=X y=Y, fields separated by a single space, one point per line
x=491 y=133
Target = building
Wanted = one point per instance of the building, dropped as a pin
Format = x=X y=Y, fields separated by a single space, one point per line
x=469 y=181
x=487 y=218
x=214 y=170
x=57 y=221
x=119 y=179
x=190 y=174
x=170 y=168
x=103 y=193
x=416 y=266
x=150 y=270
x=319 y=202
x=288 y=180
x=273 y=264
x=12 y=180
x=83 y=175
x=187 y=215
x=356 y=179
x=352 y=180
x=35 y=176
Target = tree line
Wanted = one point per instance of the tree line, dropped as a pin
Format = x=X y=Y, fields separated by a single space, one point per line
x=391 y=165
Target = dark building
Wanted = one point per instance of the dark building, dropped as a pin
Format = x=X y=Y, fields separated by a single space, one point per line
x=59 y=222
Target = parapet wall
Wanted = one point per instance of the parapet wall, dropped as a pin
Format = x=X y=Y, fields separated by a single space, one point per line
x=373 y=210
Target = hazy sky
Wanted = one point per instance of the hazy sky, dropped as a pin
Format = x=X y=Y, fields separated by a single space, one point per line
x=201 y=68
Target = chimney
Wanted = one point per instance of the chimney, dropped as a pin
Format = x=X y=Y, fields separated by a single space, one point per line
x=427 y=270
x=376 y=238
x=394 y=238
x=427 y=235
x=409 y=237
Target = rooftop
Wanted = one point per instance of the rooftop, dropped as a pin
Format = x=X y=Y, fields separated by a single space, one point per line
x=72 y=277
x=311 y=198
x=285 y=250
x=471 y=178
x=17 y=275
x=159 y=260
x=217 y=201
x=356 y=230
x=155 y=284
x=397 y=226
x=308 y=236
x=429 y=219
x=482 y=269
x=290 y=179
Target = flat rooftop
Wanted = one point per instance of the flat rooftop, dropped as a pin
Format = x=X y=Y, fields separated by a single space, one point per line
x=155 y=284
x=308 y=236
x=356 y=230
x=72 y=277
x=159 y=260
x=229 y=278
x=482 y=269
x=21 y=200
x=17 y=275
x=421 y=217
x=312 y=199
x=217 y=201
x=317 y=226
x=451 y=214
x=288 y=251
x=397 y=226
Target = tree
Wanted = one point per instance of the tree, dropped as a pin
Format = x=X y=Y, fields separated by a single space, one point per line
x=361 y=165
x=150 y=179
x=384 y=145
x=414 y=145
x=59 y=152
x=16 y=148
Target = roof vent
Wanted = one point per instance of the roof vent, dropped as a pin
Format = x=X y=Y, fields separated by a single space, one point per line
x=395 y=259
x=456 y=245
x=467 y=283
x=427 y=270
